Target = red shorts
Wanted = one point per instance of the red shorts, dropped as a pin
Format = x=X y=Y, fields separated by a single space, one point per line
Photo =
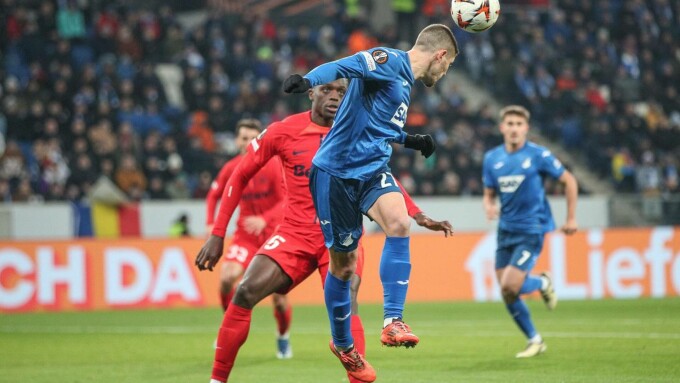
x=300 y=252
x=241 y=250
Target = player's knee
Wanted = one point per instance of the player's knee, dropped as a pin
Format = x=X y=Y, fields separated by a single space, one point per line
x=398 y=227
x=510 y=292
x=246 y=296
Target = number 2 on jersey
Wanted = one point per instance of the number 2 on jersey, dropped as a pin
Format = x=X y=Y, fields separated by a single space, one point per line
x=383 y=180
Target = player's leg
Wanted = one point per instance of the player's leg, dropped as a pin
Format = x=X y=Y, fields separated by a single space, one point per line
x=232 y=269
x=383 y=202
x=336 y=204
x=283 y=312
x=262 y=277
x=357 y=354
x=516 y=256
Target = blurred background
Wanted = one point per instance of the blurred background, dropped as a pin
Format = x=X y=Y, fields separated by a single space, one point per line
x=122 y=102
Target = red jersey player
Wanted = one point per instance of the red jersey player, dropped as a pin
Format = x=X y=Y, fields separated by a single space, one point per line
x=261 y=208
x=297 y=247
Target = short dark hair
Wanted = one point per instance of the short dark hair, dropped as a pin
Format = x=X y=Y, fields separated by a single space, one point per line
x=437 y=36
x=516 y=110
x=249 y=123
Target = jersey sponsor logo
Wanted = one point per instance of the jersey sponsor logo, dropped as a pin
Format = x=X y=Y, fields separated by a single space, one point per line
x=510 y=184
x=399 y=117
x=527 y=163
x=369 y=61
x=498 y=165
x=301 y=170
x=380 y=56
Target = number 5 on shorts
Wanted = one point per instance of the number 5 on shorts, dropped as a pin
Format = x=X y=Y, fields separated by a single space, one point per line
x=274 y=242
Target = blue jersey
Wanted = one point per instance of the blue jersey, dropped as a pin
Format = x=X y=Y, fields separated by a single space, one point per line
x=518 y=180
x=372 y=113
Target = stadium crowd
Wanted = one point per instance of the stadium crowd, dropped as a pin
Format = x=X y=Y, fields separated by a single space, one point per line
x=81 y=95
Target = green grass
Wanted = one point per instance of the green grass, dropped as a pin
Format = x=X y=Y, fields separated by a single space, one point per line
x=593 y=341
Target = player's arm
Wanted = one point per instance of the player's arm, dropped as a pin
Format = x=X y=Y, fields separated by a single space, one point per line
x=571 y=193
x=489 y=201
x=251 y=163
x=489 y=198
x=420 y=217
x=551 y=166
x=215 y=193
x=360 y=65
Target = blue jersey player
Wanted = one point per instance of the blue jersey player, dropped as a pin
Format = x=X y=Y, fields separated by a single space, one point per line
x=350 y=176
x=514 y=172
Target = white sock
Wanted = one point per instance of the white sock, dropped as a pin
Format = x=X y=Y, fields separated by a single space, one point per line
x=544 y=283
x=387 y=321
x=536 y=339
x=215 y=381
x=343 y=349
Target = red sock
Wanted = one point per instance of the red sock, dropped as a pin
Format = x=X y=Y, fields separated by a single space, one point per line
x=359 y=340
x=232 y=335
x=225 y=299
x=283 y=319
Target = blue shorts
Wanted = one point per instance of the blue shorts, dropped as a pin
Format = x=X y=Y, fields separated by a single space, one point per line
x=340 y=203
x=518 y=249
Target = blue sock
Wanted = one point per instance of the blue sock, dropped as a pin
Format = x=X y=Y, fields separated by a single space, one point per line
x=336 y=293
x=531 y=284
x=395 y=269
x=520 y=313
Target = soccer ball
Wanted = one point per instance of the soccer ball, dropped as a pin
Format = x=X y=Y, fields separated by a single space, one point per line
x=475 y=15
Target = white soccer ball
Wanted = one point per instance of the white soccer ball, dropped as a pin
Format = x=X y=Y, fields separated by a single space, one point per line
x=475 y=15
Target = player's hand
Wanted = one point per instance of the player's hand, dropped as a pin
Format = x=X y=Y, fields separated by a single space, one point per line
x=423 y=142
x=492 y=212
x=254 y=224
x=570 y=227
x=210 y=253
x=296 y=84
x=430 y=224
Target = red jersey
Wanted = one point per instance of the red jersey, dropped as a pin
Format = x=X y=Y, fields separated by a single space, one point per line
x=295 y=140
x=263 y=195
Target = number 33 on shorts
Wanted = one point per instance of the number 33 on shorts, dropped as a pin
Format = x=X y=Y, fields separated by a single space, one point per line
x=239 y=253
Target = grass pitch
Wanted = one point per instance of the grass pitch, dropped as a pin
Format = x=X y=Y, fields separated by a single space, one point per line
x=592 y=341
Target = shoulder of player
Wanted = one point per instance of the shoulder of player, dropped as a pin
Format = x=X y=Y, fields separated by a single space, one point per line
x=383 y=55
x=289 y=126
x=538 y=150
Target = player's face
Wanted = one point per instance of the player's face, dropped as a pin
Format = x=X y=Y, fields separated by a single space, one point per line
x=326 y=98
x=440 y=64
x=245 y=135
x=514 y=129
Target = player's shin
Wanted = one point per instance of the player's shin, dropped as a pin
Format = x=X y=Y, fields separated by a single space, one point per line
x=338 y=305
x=233 y=333
x=520 y=313
x=395 y=271
x=531 y=284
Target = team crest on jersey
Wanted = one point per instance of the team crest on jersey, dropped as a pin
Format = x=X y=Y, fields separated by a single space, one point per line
x=399 y=117
x=527 y=163
x=510 y=184
x=380 y=56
